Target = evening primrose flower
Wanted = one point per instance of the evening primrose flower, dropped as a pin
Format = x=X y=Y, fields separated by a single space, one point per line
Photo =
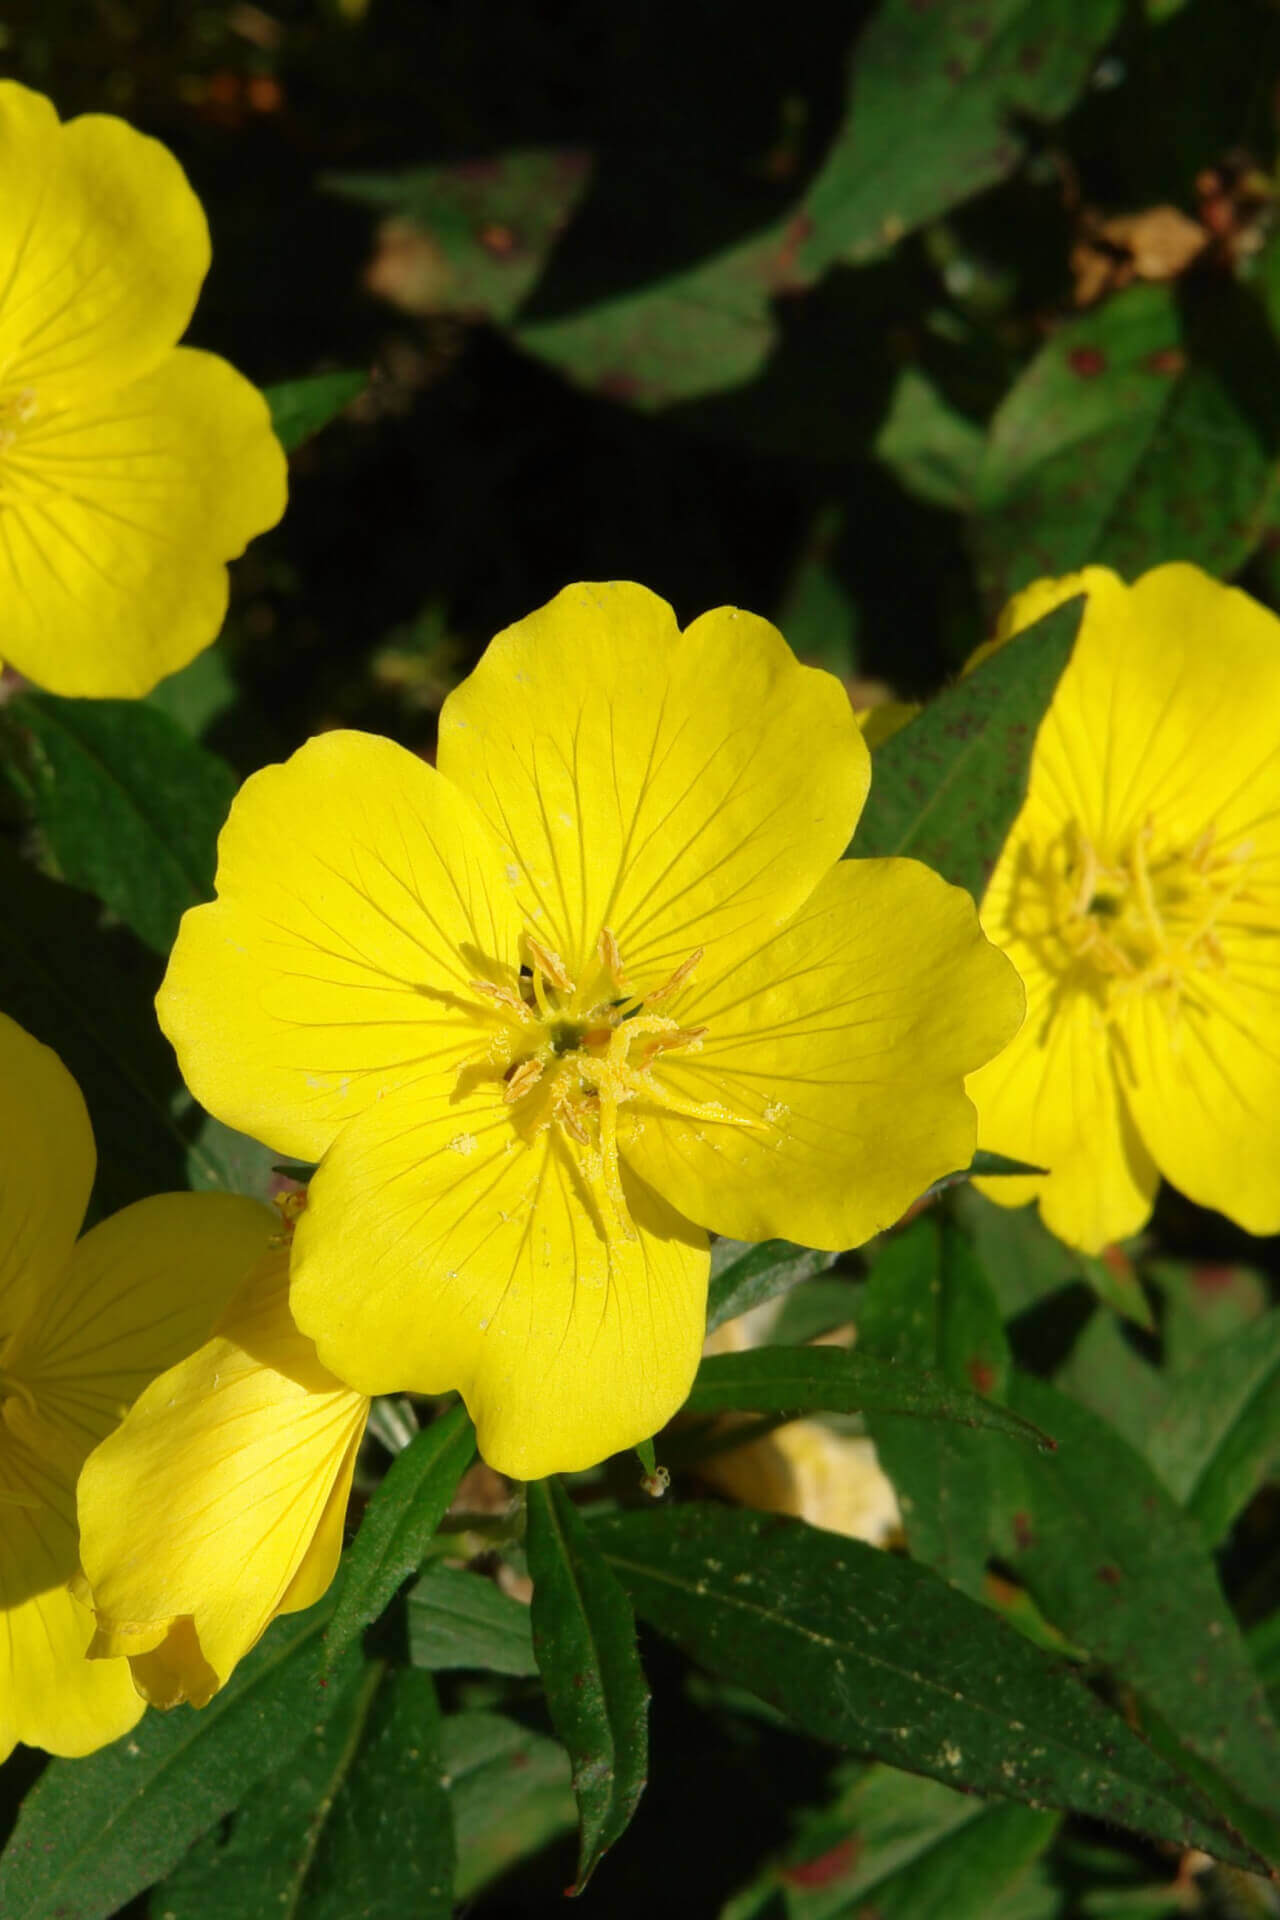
x=600 y=976
x=131 y=469
x=219 y=1501
x=84 y=1327
x=1138 y=894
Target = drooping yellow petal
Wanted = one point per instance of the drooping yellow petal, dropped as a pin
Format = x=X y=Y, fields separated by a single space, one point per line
x=140 y=1291
x=1202 y=1078
x=47 y=1163
x=842 y=1043
x=218 y=1503
x=438 y=1251
x=1052 y=1099
x=359 y=895
x=103 y=247
x=50 y=1695
x=682 y=790
x=118 y=515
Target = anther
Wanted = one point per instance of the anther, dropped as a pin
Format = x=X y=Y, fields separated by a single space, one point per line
x=520 y=1079
x=611 y=959
x=677 y=979
x=506 y=997
x=549 y=964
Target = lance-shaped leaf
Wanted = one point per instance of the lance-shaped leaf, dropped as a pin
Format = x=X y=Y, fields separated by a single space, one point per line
x=584 y=1636
x=947 y=788
x=936 y=98
x=460 y=1619
x=898 y=1847
x=1219 y=1433
x=358 y=1822
x=399 y=1523
x=927 y=1305
x=745 y=1276
x=94 y=1832
x=1142 y=431
x=878 y=1654
x=299 y=408
x=125 y=804
x=795 y=1380
x=1113 y=1561
x=509 y=1789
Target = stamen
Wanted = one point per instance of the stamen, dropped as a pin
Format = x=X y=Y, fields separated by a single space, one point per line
x=520 y=1079
x=677 y=979
x=548 y=963
x=677 y=1037
x=611 y=959
x=506 y=997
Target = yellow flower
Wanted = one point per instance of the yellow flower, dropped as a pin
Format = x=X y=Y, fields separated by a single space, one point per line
x=219 y=1502
x=601 y=975
x=1138 y=894
x=85 y=1326
x=131 y=469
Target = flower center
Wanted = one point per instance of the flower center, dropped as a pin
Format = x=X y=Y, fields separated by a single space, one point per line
x=570 y=1057
x=1146 y=920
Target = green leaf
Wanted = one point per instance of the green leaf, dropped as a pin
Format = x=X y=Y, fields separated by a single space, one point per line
x=947 y=788
x=902 y=1848
x=94 y=1832
x=935 y=97
x=745 y=1276
x=460 y=1619
x=1105 y=1370
x=89 y=993
x=1204 y=1303
x=1134 y=436
x=299 y=408
x=486 y=227
x=933 y=451
x=1020 y=1257
x=795 y=1380
x=1219 y=1435
x=927 y=1306
x=698 y=331
x=1114 y=1562
x=358 y=1822
x=509 y=1789
x=128 y=806
x=584 y=1636
x=1115 y=1280
x=399 y=1522
x=878 y=1654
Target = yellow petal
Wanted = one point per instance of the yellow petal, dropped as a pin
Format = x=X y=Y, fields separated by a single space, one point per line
x=843 y=1043
x=1052 y=1098
x=104 y=248
x=683 y=790
x=438 y=1251
x=50 y=1695
x=198 y=1515
x=117 y=517
x=832 y=1480
x=1202 y=1078
x=1165 y=711
x=47 y=1164
x=140 y=1291
x=358 y=895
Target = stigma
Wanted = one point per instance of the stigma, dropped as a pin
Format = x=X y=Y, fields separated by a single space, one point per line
x=571 y=1056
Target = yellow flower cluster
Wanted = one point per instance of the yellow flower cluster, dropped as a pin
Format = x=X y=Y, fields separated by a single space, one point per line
x=545 y=1014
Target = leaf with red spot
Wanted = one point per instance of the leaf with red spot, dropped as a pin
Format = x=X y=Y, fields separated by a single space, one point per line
x=1142 y=431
